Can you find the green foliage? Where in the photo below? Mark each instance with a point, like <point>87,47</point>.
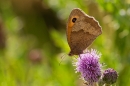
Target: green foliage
<point>33,44</point>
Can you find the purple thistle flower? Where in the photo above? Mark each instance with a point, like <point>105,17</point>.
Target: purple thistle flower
<point>110,76</point>
<point>88,65</point>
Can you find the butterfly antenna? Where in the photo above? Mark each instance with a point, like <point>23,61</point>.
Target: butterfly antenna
<point>62,57</point>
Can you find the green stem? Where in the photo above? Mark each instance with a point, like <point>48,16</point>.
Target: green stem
<point>93,84</point>
<point>107,85</point>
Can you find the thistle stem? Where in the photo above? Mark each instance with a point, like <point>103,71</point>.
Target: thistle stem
<point>107,85</point>
<point>93,84</point>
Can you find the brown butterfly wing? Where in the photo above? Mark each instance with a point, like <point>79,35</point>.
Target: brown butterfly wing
<point>86,22</point>
<point>83,32</point>
<point>80,41</point>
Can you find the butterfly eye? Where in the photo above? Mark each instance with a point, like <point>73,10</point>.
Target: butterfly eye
<point>74,20</point>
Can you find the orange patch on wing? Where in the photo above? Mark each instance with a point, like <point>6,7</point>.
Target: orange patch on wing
<point>69,28</point>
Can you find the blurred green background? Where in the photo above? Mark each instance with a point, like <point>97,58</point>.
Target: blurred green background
<point>33,40</point>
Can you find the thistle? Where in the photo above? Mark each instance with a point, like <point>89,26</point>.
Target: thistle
<point>89,67</point>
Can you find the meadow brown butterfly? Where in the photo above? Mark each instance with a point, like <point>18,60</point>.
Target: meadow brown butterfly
<point>81,31</point>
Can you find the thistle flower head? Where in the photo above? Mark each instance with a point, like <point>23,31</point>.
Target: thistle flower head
<point>88,65</point>
<point>109,76</point>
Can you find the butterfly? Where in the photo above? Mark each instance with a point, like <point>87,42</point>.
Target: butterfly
<point>81,31</point>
